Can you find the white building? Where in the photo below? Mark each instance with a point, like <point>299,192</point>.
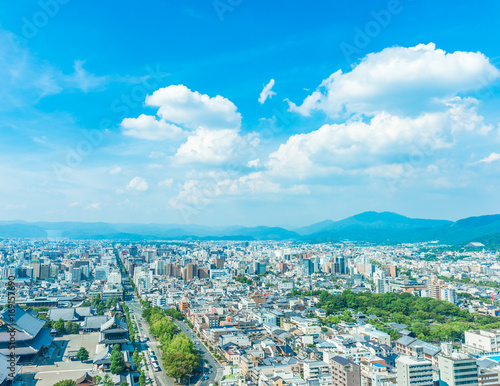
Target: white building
<point>449,294</point>
<point>114,277</point>
<point>482,340</point>
<point>458,369</point>
<point>413,371</point>
<point>317,371</point>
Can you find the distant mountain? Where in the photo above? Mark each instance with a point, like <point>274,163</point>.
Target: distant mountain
<point>265,233</point>
<point>489,241</point>
<point>317,227</point>
<point>21,230</point>
<point>375,227</point>
<point>463,230</point>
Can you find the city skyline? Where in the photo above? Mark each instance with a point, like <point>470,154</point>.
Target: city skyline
<point>229,113</point>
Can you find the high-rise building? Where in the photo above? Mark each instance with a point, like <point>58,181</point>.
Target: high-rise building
<point>434,287</point>
<point>76,274</point>
<point>191,270</point>
<point>36,264</point>
<point>219,263</point>
<point>44,271</point>
<point>414,371</point>
<point>449,294</point>
<point>54,270</point>
<point>307,266</point>
<point>345,372</point>
<point>101,273</point>
<point>183,304</point>
<point>458,369</point>
<point>160,267</point>
<point>339,265</point>
<point>168,269</point>
<point>203,273</point>
<point>383,285</point>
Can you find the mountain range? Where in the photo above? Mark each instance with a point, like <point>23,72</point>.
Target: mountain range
<point>374,227</point>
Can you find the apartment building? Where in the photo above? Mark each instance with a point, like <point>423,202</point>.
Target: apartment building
<point>413,371</point>
<point>344,372</point>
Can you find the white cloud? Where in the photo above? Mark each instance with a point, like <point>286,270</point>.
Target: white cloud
<point>254,163</point>
<point>116,170</point>
<point>267,92</point>
<point>138,183</point>
<point>149,128</point>
<point>383,139</point>
<point>154,166</point>
<point>94,206</point>
<point>15,206</point>
<point>157,154</point>
<point>214,146</point>
<point>180,105</point>
<point>493,157</point>
<point>199,193</point>
<point>84,80</point>
<point>400,80</point>
<point>166,183</point>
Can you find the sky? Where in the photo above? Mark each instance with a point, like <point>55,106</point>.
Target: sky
<point>239,112</point>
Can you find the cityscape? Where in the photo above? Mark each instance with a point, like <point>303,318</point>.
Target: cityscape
<point>249,193</point>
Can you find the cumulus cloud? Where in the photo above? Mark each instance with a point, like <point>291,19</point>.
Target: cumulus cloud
<point>400,80</point>
<point>166,183</point>
<point>214,146</point>
<point>254,163</point>
<point>179,105</point>
<point>198,193</point>
<point>116,170</point>
<point>493,157</point>
<point>149,128</point>
<point>138,183</point>
<point>382,139</point>
<point>267,92</point>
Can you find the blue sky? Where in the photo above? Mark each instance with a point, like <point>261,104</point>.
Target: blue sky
<point>248,112</point>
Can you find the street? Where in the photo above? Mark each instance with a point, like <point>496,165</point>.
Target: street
<point>210,365</point>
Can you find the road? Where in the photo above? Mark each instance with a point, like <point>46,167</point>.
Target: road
<point>209,360</point>
<point>143,330</point>
<point>210,365</point>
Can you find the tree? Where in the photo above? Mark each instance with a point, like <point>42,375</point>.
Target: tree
<point>98,379</point>
<point>135,358</point>
<point>72,327</point>
<point>108,381</point>
<point>117,361</point>
<point>59,326</point>
<point>142,379</point>
<point>124,383</point>
<point>175,365</point>
<point>82,354</point>
<point>66,382</point>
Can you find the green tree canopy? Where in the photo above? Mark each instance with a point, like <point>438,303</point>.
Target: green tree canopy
<point>82,354</point>
<point>66,382</point>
